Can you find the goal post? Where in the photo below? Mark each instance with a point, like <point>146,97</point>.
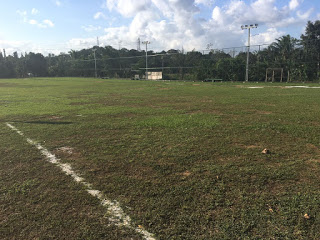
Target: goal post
<point>273,72</point>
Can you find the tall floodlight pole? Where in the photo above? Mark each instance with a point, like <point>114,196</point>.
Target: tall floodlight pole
<point>146,43</point>
<point>95,62</point>
<point>248,48</point>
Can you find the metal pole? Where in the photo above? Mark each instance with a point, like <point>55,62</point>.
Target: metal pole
<point>146,60</point>
<point>162,63</point>
<point>146,43</point>
<point>248,50</point>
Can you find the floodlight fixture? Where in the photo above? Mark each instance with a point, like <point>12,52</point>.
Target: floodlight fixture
<point>146,43</point>
<point>248,48</point>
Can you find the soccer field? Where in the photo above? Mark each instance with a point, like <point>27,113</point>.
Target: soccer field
<point>85,158</point>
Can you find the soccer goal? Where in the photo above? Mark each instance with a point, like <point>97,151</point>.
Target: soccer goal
<point>274,74</point>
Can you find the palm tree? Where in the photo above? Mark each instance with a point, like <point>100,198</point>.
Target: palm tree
<point>285,51</point>
<point>284,47</point>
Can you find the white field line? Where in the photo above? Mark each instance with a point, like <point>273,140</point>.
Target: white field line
<point>117,215</point>
<point>287,87</point>
<point>300,87</point>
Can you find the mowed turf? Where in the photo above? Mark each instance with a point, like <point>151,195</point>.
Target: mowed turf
<point>183,159</point>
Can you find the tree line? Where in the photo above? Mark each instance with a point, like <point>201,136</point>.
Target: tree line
<point>298,60</point>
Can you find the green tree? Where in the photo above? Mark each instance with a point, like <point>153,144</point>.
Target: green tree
<point>36,64</point>
<point>311,43</point>
<point>284,53</point>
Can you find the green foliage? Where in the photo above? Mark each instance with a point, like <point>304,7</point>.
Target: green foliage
<point>311,43</point>
<point>299,59</point>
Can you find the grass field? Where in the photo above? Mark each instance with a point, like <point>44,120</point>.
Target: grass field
<point>183,159</point>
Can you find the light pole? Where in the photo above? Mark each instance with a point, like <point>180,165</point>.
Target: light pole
<point>146,43</point>
<point>248,48</point>
<point>95,62</point>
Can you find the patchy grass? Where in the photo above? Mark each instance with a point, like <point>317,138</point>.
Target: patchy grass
<point>183,159</point>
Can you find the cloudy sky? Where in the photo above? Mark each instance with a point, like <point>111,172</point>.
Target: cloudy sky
<point>60,25</point>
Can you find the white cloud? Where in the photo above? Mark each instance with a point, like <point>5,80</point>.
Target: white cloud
<point>44,24</point>
<point>91,28</point>
<point>267,37</point>
<point>34,11</point>
<point>217,15</point>
<point>173,23</point>
<point>285,22</point>
<point>58,3</point>
<point>204,2</point>
<point>41,24</point>
<point>180,23</point>
<point>236,9</point>
<point>128,8</point>
<point>33,22</point>
<point>80,43</point>
<point>23,15</point>
<point>99,15</point>
<point>48,23</point>
<point>306,15</point>
<point>293,4</point>
<point>22,47</point>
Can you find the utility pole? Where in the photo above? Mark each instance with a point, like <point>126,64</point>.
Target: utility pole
<point>120,54</point>
<point>120,45</point>
<point>146,43</point>
<point>248,48</point>
<point>98,41</point>
<point>138,45</point>
<point>162,63</point>
<point>95,62</point>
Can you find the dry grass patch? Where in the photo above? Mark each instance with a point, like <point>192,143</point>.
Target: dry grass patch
<point>264,112</point>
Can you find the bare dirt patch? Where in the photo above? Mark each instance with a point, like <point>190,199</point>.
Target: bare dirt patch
<point>264,112</point>
<point>186,173</point>
<point>144,172</point>
<point>55,117</point>
<point>314,161</point>
<point>68,150</point>
<point>247,146</point>
<point>195,112</point>
<point>313,147</point>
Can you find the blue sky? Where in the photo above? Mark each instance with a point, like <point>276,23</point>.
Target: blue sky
<point>60,25</point>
